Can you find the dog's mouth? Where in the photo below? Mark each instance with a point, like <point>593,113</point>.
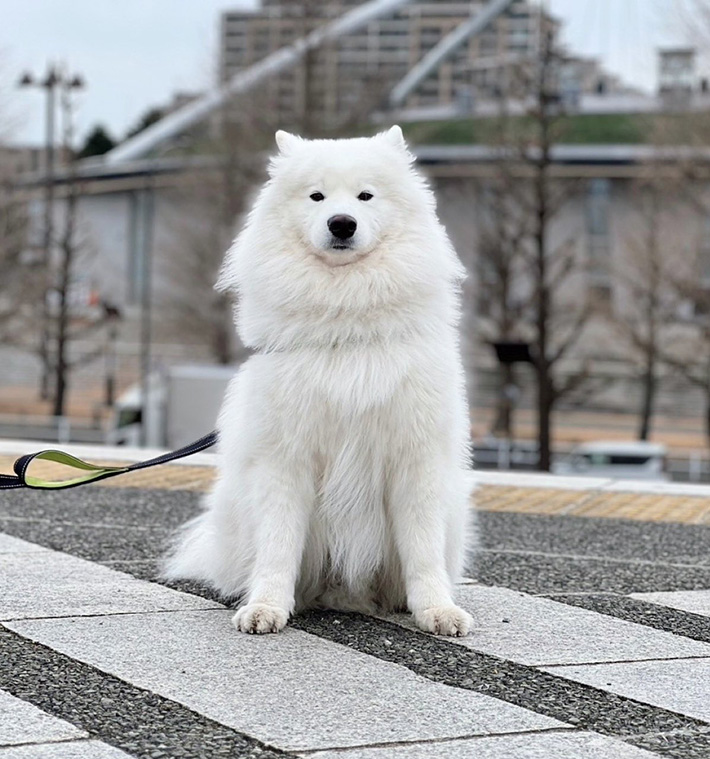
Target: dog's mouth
<point>340,245</point>
<point>338,252</point>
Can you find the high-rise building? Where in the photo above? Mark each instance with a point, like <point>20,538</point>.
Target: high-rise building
<point>677,78</point>
<point>345,79</point>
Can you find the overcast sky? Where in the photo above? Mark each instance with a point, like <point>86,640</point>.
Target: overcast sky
<point>136,53</point>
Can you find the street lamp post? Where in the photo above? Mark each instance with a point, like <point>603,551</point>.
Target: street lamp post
<point>53,78</point>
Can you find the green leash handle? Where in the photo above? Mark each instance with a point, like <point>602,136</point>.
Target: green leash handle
<point>93,473</point>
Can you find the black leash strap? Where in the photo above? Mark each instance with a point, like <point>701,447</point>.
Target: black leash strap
<point>93,473</point>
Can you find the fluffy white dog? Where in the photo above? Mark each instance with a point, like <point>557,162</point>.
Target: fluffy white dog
<point>344,441</point>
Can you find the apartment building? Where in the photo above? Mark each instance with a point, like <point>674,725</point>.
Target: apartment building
<point>340,82</point>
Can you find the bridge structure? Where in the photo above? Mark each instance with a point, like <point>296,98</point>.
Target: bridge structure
<point>248,79</point>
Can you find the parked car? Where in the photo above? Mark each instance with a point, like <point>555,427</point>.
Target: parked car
<point>617,460</point>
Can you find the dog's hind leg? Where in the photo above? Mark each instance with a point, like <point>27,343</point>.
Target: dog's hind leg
<point>418,495</point>
<point>282,496</point>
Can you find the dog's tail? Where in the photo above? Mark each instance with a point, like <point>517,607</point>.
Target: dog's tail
<point>187,557</point>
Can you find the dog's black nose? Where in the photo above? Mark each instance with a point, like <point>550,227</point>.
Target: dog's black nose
<point>342,227</point>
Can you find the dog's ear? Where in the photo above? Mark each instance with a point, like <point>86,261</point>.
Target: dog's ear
<point>395,137</point>
<point>287,142</point>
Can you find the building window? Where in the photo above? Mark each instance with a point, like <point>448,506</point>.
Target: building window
<point>599,233</point>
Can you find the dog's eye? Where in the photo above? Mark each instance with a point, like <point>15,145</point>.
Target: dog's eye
<point>365,196</point>
<point>317,196</point>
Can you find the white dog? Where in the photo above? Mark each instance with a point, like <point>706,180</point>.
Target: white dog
<point>344,441</point>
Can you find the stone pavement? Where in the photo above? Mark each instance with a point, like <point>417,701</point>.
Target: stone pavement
<point>591,640</point>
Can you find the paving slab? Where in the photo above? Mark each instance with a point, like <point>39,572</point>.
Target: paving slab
<point>695,601</point>
<point>548,573</point>
<point>22,722</point>
<point>94,542</point>
<point>682,686</point>
<point>72,750</point>
<point>660,617</point>
<point>53,584</point>
<point>290,690</point>
<point>539,631</point>
<point>535,746</point>
<point>660,543</point>
<point>8,544</point>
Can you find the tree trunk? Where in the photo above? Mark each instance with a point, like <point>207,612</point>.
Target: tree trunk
<point>649,394</point>
<point>545,387</point>
<point>651,317</point>
<point>60,366</point>
<point>544,416</point>
<point>67,252</point>
<point>544,380</point>
<point>60,387</point>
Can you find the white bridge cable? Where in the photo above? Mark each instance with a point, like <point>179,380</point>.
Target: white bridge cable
<point>245,80</point>
<point>469,28</point>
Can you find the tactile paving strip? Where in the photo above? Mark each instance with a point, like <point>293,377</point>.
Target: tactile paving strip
<point>647,507</point>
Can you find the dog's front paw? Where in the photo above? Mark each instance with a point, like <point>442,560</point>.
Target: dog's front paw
<point>260,618</point>
<point>444,620</point>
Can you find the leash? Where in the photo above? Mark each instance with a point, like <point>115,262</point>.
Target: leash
<point>94,473</point>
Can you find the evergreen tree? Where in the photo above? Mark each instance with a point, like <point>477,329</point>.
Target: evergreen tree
<point>98,142</point>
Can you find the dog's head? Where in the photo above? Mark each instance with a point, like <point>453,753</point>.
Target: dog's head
<point>343,231</point>
<point>340,199</point>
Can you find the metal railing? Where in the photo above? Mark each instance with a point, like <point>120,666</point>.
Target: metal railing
<point>53,429</point>
<point>522,456</point>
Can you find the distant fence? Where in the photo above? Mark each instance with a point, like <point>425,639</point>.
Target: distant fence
<point>520,456</point>
<point>52,429</point>
<point>695,468</point>
<point>523,456</point>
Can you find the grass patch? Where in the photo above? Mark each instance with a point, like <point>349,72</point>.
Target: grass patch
<point>592,129</point>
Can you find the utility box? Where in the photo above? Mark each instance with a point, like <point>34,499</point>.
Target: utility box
<point>194,397</point>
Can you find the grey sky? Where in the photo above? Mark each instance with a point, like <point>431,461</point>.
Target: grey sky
<point>136,53</point>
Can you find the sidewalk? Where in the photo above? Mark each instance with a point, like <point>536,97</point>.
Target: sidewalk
<point>592,636</point>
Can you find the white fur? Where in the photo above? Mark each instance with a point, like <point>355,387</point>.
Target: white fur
<point>344,441</point>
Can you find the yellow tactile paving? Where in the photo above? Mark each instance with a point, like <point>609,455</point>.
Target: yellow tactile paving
<point>644,507</point>
<point>529,500</point>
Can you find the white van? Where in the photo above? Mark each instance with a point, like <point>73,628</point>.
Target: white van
<point>183,403</point>
<point>616,460</point>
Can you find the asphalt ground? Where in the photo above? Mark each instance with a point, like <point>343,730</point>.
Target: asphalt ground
<point>582,562</point>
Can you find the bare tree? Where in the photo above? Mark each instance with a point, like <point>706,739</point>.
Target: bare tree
<point>68,250</point>
<point>205,209</point>
<point>556,314</point>
<point>688,353</point>
<point>691,357</point>
<point>530,278</point>
<point>646,273</point>
<point>69,319</point>
<point>503,294</point>
<point>22,282</point>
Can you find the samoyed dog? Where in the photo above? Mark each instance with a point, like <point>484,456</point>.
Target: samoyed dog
<point>344,440</point>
